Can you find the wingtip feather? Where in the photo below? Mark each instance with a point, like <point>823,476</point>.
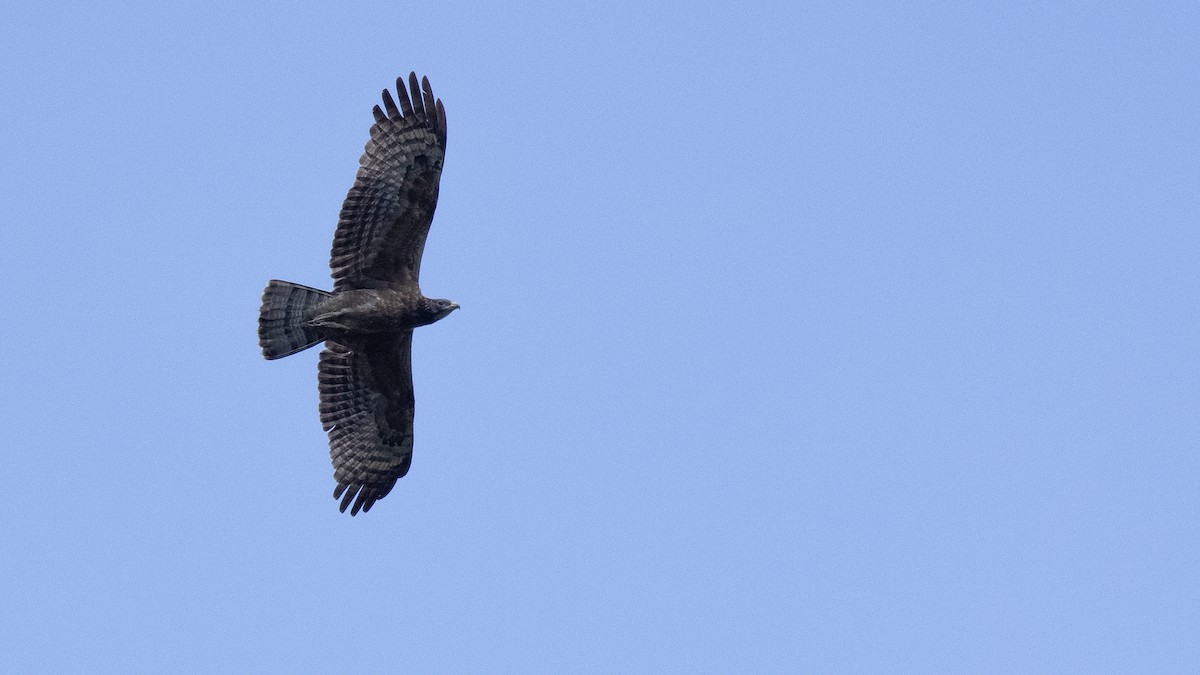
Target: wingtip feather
<point>415,88</point>
<point>441,118</point>
<point>427,98</point>
<point>402,93</point>
<point>390,105</point>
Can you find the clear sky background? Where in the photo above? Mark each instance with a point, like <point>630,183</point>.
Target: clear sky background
<point>813,337</point>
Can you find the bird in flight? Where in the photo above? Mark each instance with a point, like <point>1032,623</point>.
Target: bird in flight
<point>365,371</point>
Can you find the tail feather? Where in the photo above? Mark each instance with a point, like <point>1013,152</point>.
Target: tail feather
<point>282,320</point>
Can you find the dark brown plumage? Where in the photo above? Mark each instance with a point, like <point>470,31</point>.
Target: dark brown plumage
<point>365,371</point>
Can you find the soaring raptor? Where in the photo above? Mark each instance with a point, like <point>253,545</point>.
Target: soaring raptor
<point>365,371</point>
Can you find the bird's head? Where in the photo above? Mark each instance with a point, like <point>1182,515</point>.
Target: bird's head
<point>440,307</point>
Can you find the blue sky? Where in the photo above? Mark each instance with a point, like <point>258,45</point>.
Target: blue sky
<point>821,337</point>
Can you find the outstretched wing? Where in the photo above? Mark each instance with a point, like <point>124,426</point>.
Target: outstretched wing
<point>386,216</point>
<point>367,408</point>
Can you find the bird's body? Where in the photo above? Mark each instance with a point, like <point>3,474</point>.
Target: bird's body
<point>365,371</point>
<point>375,310</point>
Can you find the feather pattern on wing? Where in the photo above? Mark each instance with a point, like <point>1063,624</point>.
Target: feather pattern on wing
<point>367,409</point>
<point>385,218</point>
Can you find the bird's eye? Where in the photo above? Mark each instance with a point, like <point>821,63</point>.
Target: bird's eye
<point>441,303</point>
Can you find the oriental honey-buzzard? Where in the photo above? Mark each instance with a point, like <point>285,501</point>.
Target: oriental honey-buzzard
<point>365,372</point>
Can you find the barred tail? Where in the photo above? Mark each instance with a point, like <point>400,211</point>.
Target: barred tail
<point>282,328</point>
